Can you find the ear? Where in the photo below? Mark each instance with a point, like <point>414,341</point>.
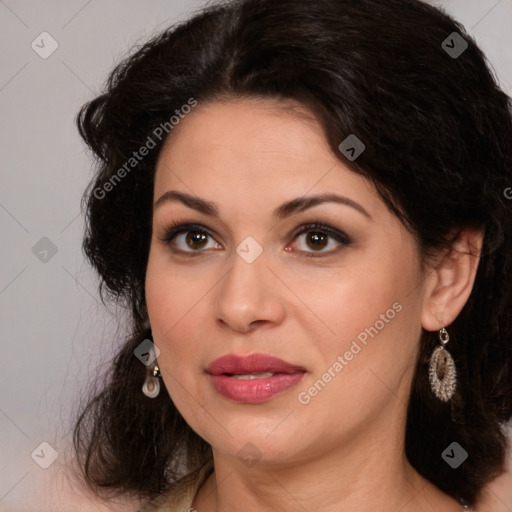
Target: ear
<point>450,280</point>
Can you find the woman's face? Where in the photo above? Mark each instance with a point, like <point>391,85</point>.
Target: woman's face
<point>339,304</point>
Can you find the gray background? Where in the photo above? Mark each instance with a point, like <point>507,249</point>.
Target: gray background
<point>53,327</point>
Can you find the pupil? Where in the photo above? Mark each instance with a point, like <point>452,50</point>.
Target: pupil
<point>318,240</point>
<point>195,239</point>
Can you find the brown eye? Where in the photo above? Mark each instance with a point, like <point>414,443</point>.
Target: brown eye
<point>196,239</point>
<point>321,239</point>
<point>189,238</point>
<point>317,240</point>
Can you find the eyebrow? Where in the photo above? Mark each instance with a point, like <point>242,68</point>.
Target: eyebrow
<point>285,210</point>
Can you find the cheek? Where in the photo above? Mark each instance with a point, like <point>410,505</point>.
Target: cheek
<point>173,292</point>
<point>374,325</point>
<point>350,301</point>
<point>169,311</point>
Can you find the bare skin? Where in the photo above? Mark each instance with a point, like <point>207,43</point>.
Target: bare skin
<point>302,302</point>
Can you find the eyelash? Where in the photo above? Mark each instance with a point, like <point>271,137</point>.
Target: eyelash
<point>176,228</point>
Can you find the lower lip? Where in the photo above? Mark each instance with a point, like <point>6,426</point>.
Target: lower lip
<point>255,391</point>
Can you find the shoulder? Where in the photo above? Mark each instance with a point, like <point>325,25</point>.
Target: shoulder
<point>181,495</point>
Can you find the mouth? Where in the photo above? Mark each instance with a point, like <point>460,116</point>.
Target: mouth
<point>257,365</point>
<point>253,379</point>
<point>250,376</point>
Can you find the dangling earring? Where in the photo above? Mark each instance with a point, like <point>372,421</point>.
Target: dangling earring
<point>151,387</point>
<point>148,350</point>
<point>442,373</point>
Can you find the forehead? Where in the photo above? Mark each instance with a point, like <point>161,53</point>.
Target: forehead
<point>259,143</point>
<point>247,128</point>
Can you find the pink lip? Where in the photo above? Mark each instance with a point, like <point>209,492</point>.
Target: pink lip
<point>253,391</point>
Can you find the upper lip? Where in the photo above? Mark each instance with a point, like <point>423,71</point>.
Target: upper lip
<point>253,363</point>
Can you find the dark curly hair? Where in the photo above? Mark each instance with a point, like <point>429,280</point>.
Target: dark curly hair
<point>438,136</point>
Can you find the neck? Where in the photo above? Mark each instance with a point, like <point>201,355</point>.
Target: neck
<point>360,476</point>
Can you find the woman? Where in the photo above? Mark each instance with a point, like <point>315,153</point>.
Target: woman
<point>305,207</point>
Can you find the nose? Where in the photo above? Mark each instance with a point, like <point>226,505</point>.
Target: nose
<point>249,296</point>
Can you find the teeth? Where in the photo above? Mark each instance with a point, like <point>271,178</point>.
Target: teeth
<point>249,376</point>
